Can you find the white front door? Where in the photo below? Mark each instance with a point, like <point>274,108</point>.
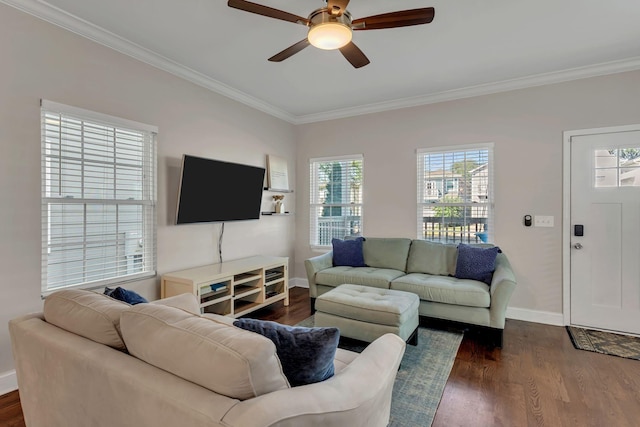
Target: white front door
<point>605,260</point>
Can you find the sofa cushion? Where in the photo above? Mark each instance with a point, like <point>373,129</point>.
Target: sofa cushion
<point>187,302</point>
<point>367,276</point>
<point>445,289</point>
<point>476,263</point>
<point>348,252</point>
<point>306,354</point>
<point>222,358</point>
<point>89,314</point>
<point>432,258</point>
<point>388,253</point>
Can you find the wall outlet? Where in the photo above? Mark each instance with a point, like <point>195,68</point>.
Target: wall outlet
<point>543,221</point>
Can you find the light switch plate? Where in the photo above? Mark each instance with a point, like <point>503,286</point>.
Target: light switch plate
<point>543,221</point>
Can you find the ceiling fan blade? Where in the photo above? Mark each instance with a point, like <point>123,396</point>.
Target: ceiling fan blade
<point>267,11</point>
<point>290,51</point>
<point>402,18</point>
<point>337,7</point>
<point>354,55</point>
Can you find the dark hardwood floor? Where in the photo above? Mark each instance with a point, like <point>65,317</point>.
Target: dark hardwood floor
<point>11,411</point>
<point>536,379</point>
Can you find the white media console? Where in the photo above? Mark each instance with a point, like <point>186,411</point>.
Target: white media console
<point>232,288</point>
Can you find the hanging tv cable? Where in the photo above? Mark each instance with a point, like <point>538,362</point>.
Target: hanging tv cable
<point>220,241</point>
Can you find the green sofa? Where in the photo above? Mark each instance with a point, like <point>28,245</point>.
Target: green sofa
<point>426,269</point>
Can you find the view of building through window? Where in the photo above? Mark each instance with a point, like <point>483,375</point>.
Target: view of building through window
<point>618,167</point>
<point>336,199</point>
<point>454,194</point>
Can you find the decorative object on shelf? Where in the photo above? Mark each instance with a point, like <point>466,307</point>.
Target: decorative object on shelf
<point>277,174</point>
<point>279,204</point>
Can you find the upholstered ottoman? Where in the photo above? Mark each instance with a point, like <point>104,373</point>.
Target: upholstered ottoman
<point>366,313</point>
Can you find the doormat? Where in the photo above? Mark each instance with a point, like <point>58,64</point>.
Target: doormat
<point>605,342</point>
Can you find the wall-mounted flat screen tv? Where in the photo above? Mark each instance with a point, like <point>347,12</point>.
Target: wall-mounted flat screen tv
<point>216,191</point>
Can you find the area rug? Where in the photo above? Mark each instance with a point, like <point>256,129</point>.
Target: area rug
<point>422,376</point>
<point>605,342</point>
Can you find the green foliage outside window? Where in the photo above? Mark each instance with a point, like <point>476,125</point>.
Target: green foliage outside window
<point>449,211</point>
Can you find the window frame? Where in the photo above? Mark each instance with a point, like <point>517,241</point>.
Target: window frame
<point>487,183</point>
<point>124,197</point>
<point>314,197</point>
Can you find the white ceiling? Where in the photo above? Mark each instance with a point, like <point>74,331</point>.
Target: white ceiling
<point>472,47</point>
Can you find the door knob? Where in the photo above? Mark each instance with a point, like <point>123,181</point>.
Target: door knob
<point>577,246</point>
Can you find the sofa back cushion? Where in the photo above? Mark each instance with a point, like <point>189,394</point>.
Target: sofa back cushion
<point>222,358</point>
<point>89,314</point>
<point>432,258</point>
<point>380,252</point>
<point>186,302</point>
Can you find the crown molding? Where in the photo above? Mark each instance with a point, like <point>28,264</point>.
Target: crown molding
<point>613,67</point>
<point>56,16</point>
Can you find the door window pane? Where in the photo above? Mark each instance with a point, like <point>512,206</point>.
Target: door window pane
<point>618,167</point>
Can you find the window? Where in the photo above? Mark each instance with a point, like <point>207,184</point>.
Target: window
<point>336,199</point>
<point>617,167</point>
<point>455,194</point>
<point>98,199</point>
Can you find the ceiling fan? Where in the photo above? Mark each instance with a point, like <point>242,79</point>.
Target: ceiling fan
<point>331,27</point>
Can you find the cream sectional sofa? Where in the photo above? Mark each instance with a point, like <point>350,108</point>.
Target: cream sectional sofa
<point>89,360</point>
<point>426,269</point>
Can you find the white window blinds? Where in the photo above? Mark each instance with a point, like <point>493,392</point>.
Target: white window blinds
<point>98,199</point>
<point>455,194</point>
<point>336,198</point>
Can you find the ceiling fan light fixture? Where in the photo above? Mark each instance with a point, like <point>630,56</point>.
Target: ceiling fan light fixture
<point>329,35</point>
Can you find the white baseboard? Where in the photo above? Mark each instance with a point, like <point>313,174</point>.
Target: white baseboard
<point>545,317</point>
<point>8,382</point>
<point>298,282</point>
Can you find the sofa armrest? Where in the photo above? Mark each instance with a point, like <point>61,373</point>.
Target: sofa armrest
<point>502,286</point>
<point>314,265</point>
<point>354,397</point>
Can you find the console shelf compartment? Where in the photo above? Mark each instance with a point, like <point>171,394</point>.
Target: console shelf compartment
<point>232,288</point>
<point>222,307</point>
<point>245,277</point>
<point>243,291</point>
<point>215,301</point>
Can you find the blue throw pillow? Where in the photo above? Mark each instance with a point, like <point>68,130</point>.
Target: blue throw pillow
<point>348,252</point>
<point>125,295</point>
<point>476,263</point>
<point>306,354</point>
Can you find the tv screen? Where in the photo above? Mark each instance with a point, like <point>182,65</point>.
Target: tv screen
<point>217,191</point>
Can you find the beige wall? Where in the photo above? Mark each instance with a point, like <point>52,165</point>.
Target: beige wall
<point>40,60</point>
<point>526,127</point>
